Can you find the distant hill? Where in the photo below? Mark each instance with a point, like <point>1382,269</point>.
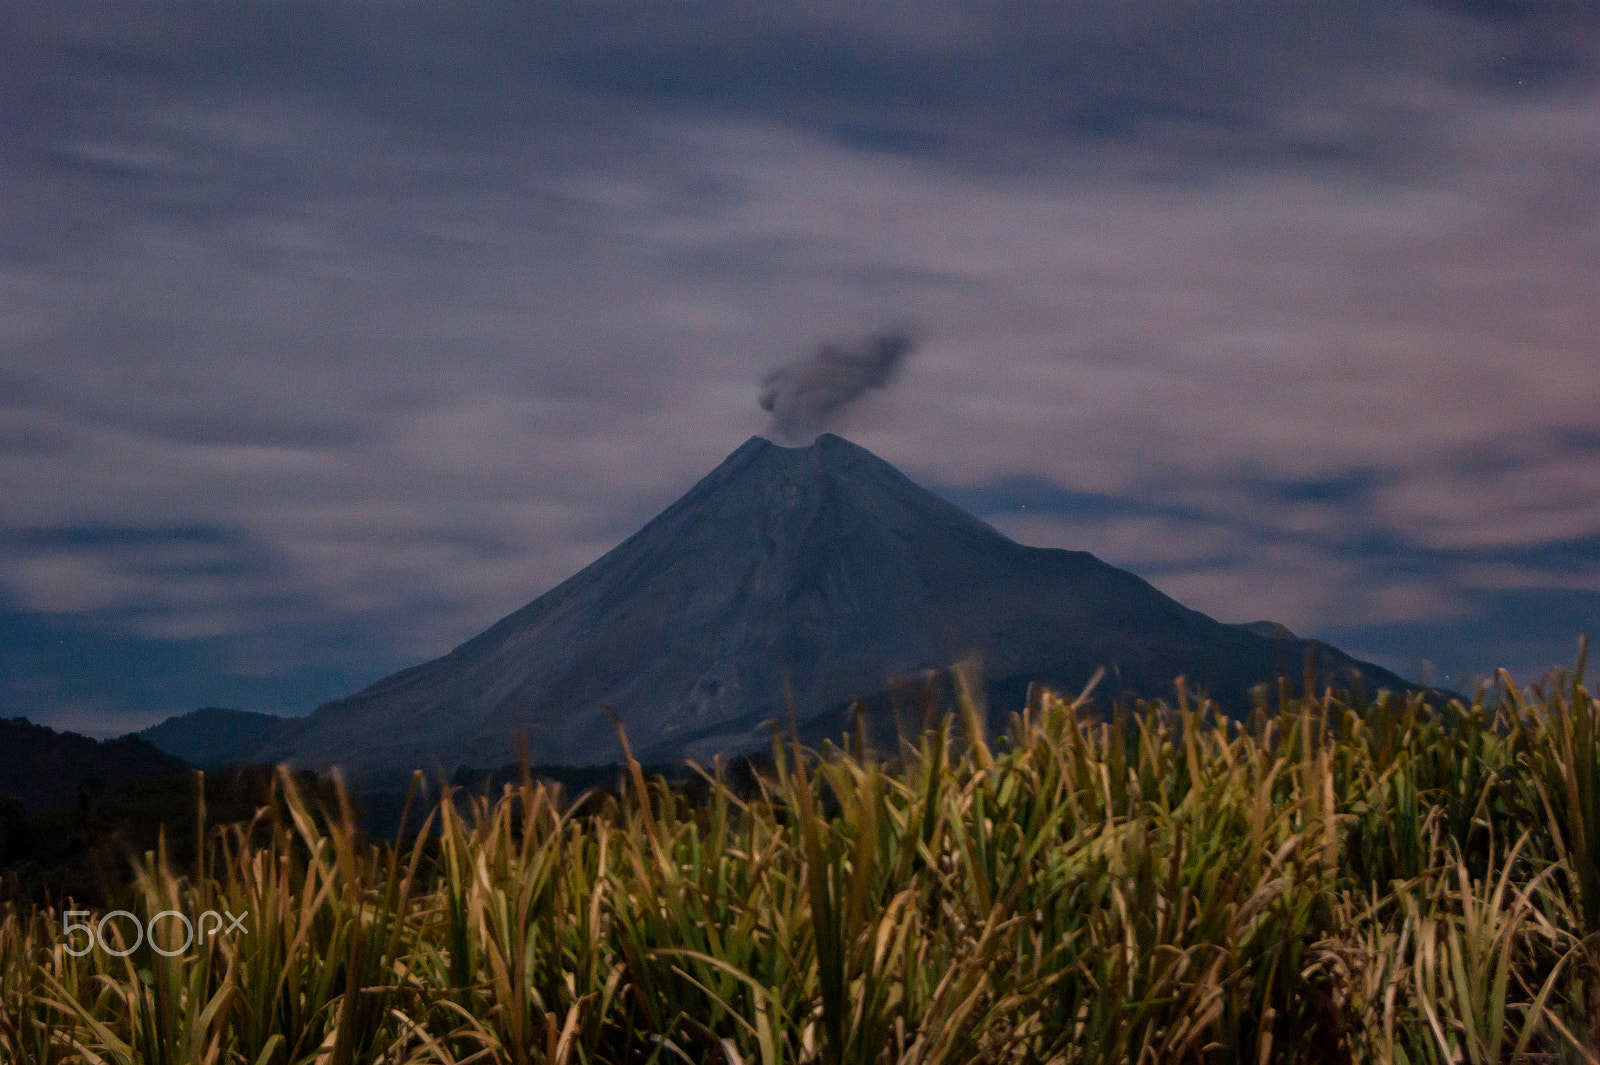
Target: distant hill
<point>215,736</point>
<point>44,769</point>
<point>813,574</point>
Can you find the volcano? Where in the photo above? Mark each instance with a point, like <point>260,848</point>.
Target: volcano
<point>813,575</point>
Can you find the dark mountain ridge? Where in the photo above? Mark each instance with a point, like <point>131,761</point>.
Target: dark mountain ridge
<point>819,571</point>
<point>44,769</point>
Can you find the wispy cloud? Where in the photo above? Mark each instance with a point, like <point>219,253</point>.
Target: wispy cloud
<point>414,309</point>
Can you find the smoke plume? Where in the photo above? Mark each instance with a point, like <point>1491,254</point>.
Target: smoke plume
<point>805,394</point>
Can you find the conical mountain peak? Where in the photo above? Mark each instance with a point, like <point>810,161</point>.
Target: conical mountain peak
<point>826,454</point>
<point>789,499</point>
<point>812,574</point>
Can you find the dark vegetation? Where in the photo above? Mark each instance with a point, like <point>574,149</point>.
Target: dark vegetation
<point>81,850</point>
<point>45,769</point>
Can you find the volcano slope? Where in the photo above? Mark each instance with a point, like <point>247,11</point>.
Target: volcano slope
<point>818,571</point>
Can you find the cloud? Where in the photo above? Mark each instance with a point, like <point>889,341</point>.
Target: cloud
<point>419,308</point>
<point>1332,558</point>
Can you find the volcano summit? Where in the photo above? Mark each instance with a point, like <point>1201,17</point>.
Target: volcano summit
<point>819,570</point>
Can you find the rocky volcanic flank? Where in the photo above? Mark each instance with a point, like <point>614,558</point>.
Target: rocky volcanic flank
<point>820,568</point>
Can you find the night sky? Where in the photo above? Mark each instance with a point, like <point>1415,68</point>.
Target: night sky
<point>332,332</point>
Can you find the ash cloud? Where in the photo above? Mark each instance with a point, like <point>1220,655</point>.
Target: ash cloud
<point>806,394</point>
